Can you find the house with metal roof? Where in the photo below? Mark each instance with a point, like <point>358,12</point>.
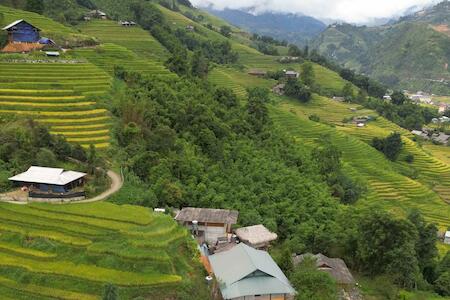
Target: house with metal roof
<point>447,238</point>
<point>246,273</point>
<point>43,182</point>
<point>208,224</point>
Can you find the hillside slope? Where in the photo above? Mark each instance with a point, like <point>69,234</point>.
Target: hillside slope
<point>413,53</point>
<point>72,251</point>
<point>296,29</point>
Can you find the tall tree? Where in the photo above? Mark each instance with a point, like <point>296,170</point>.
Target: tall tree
<point>36,6</point>
<point>426,249</point>
<point>386,245</point>
<point>307,75</point>
<point>311,283</point>
<point>257,109</point>
<point>199,65</point>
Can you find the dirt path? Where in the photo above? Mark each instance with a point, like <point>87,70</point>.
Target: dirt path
<point>116,185</point>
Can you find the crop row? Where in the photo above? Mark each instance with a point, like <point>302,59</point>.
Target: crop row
<point>106,211</point>
<point>88,272</point>
<point>45,291</point>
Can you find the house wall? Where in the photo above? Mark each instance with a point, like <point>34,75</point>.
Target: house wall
<point>24,32</point>
<point>447,240</point>
<point>211,232</point>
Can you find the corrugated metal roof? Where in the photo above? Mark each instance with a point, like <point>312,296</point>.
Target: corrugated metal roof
<point>45,175</point>
<point>17,22</point>
<point>244,271</point>
<point>208,215</point>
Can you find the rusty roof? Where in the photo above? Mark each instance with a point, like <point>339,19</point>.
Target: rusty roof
<point>336,267</point>
<point>207,215</point>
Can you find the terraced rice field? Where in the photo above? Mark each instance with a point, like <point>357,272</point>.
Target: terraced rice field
<point>133,38</point>
<point>237,81</point>
<point>71,251</point>
<point>47,25</point>
<point>386,185</point>
<point>62,96</point>
<point>108,55</point>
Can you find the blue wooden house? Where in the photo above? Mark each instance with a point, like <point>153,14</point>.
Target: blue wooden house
<point>21,31</point>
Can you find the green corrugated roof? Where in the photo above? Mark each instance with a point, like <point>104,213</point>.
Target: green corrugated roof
<point>244,271</point>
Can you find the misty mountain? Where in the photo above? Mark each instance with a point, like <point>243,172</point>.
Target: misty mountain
<point>296,29</point>
<point>411,53</point>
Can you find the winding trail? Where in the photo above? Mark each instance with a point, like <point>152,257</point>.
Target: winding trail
<point>116,185</point>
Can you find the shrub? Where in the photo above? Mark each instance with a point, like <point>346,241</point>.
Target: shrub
<point>409,158</point>
<point>314,118</point>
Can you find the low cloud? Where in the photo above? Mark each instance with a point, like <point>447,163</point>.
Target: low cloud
<point>353,11</point>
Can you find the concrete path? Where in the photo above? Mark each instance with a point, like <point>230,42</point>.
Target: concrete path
<point>116,185</point>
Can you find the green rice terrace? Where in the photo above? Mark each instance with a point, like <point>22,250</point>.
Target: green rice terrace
<point>61,95</point>
<point>72,251</point>
<point>399,186</point>
<point>132,37</point>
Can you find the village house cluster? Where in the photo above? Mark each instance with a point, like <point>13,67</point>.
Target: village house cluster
<point>239,261</point>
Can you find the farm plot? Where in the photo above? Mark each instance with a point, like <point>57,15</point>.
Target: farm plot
<point>62,96</point>
<point>133,38</point>
<point>386,185</point>
<point>140,252</point>
<point>107,56</point>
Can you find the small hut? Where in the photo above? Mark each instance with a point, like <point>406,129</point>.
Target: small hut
<point>291,74</point>
<point>279,89</point>
<point>336,267</point>
<point>258,73</point>
<point>447,238</point>
<point>97,14</point>
<point>257,236</point>
<point>22,37</point>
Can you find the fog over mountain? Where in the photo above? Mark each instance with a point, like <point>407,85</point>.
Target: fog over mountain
<point>352,11</point>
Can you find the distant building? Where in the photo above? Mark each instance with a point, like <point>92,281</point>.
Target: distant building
<point>447,238</point>
<point>420,133</point>
<point>208,224</point>
<point>257,236</point>
<point>54,183</point>
<point>443,107</point>
<point>190,28</point>
<point>127,23</point>
<point>440,138</point>
<point>338,99</point>
<point>97,14</point>
<point>246,273</point>
<point>258,73</point>
<point>387,98</point>
<point>336,267</point>
<point>279,89</point>
<point>291,74</point>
